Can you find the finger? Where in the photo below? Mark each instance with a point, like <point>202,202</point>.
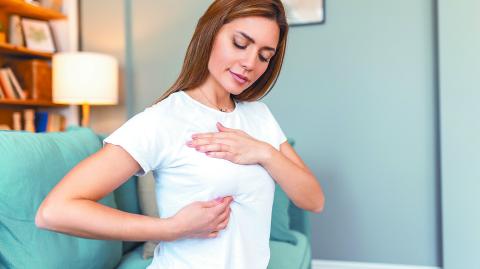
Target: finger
<point>229,199</point>
<point>213,147</point>
<point>219,154</point>
<point>210,204</point>
<point>213,234</point>
<point>225,215</point>
<point>223,128</point>
<point>208,141</point>
<point>210,135</point>
<point>223,224</point>
<point>220,208</point>
<point>217,201</point>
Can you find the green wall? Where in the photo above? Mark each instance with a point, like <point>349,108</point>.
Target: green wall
<point>459,46</point>
<point>359,95</point>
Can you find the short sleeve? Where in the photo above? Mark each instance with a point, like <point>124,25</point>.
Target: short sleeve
<point>144,138</point>
<point>277,136</point>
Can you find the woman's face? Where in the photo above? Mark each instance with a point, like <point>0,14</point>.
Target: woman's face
<point>241,52</point>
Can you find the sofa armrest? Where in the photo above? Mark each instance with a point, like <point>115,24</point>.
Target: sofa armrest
<point>299,220</point>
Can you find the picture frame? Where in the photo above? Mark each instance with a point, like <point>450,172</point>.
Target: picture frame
<point>38,35</point>
<point>304,12</point>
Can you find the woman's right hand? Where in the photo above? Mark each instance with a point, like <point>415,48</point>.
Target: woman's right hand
<point>203,219</point>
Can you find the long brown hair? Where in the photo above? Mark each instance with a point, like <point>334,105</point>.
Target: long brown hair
<point>195,65</point>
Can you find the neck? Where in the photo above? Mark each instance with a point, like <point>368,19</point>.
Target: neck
<point>215,94</point>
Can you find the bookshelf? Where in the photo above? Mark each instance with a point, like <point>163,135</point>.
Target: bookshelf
<point>25,9</point>
<point>12,50</point>
<point>9,53</point>
<point>30,103</point>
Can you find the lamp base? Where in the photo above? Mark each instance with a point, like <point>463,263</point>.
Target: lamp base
<point>85,115</point>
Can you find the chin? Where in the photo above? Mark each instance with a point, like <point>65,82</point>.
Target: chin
<point>234,89</point>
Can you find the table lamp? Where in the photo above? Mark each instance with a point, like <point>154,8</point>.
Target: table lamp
<point>85,78</point>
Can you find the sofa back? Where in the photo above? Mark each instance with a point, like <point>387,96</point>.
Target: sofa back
<point>31,165</point>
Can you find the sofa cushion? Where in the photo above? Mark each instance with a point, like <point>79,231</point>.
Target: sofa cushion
<point>134,260</point>
<point>287,256</point>
<point>280,226</point>
<point>127,200</point>
<point>31,164</point>
<point>148,206</point>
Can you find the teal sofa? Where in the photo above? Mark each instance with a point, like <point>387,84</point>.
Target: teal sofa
<point>31,164</point>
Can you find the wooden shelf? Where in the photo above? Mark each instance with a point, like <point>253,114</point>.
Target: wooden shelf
<point>30,103</point>
<point>9,49</point>
<point>22,8</point>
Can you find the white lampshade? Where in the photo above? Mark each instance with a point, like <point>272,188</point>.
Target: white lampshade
<point>85,78</point>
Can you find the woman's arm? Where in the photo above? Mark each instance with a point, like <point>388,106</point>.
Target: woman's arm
<point>294,177</point>
<point>72,208</point>
<point>285,166</point>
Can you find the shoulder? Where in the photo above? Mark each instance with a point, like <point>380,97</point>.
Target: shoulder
<point>164,106</point>
<point>257,106</point>
<point>162,112</point>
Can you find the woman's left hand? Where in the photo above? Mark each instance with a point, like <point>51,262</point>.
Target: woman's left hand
<point>231,144</point>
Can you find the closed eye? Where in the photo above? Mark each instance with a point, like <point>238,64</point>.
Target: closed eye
<point>263,59</point>
<point>260,56</point>
<point>238,45</point>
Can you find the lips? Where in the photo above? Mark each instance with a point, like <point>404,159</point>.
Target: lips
<point>239,78</point>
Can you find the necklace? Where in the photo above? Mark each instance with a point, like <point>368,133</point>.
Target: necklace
<point>219,108</point>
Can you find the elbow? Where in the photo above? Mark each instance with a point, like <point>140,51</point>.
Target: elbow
<point>317,210</point>
<point>40,221</point>
<point>43,218</point>
<point>319,205</point>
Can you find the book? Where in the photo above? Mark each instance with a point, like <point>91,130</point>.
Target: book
<point>2,95</point>
<point>6,86</point>
<point>16,86</point>
<point>15,35</point>
<point>41,118</point>
<point>48,121</point>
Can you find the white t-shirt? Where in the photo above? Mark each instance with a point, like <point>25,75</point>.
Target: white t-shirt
<point>156,139</point>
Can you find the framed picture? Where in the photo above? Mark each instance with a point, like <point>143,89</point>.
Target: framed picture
<point>37,35</point>
<point>304,12</point>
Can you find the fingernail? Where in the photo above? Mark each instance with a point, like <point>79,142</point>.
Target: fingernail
<point>219,199</point>
<point>189,143</point>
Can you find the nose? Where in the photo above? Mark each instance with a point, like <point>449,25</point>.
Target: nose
<point>248,61</point>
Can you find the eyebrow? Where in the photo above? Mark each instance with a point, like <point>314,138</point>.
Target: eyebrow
<point>253,41</point>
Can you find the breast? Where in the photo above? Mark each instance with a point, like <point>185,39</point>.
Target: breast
<point>194,176</point>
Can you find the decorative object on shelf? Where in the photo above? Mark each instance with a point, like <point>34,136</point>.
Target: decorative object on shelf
<point>52,4</point>
<point>85,78</point>
<point>16,85</point>
<point>29,117</point>
<point>33,2</point>
<point>35,75</point>
<point>15,35</point>
<point>17,121</point>
<point>4,127</point>
<point>6,85</point>
<point>38,35</point>
<point>2,32</point>
<point>10,85</point>
<point>49,122</point>
<point>2,95</point>
<point>303,12</point>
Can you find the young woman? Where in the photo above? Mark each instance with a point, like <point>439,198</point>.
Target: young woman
<point>214,149</point>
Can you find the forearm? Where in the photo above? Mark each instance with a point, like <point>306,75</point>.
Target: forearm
<point>89,219</point>
<point>299,183</point>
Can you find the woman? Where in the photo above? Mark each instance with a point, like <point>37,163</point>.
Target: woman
<point>214,150</point>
